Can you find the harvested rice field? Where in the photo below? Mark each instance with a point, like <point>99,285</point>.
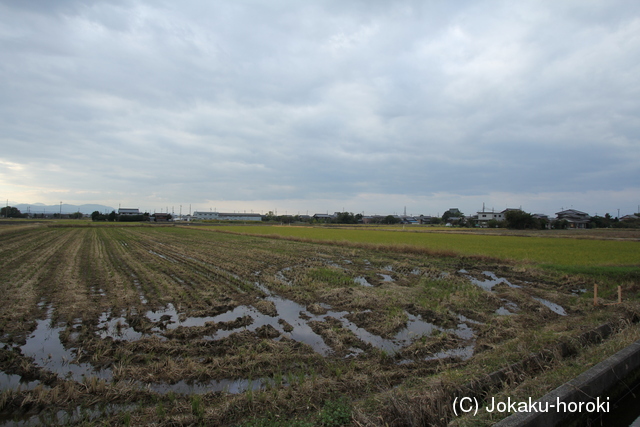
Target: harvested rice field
<point>183,326</point>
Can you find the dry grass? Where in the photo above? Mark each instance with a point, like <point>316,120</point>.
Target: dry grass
<point>128,274</point>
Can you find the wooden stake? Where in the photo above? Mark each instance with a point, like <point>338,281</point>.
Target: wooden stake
<point>595,294</point>
<point>619,294</point>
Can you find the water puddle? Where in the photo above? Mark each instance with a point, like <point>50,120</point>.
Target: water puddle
<point>291,320</point>
<point>15,382</point>
<point>502,311</point>
<point>298,317</point>
<point>281,277</point>
<point>97,292</point>
<point>490,282</point>
<point>163,256</point>
<point>465,319</point>
<point>552,306</point>
<point>360,280</point>
<point>136,283</point>
<point>48,352</point>
<point>386,277</point>
<point>78,415</point>
<point>507,309</point>
<point>464,353</point>
<point>116,328</point>
<point>227,386</point>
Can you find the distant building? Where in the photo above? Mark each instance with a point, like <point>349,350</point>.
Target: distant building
<point>545,221</point>
<point>425,219</point>
<point>124,211</point>
<point>575,218</point>
<point>484,217</point>
<point>324,217</point>
<point>406,219</point>
<point>160,217</point>
<point>227,216</point>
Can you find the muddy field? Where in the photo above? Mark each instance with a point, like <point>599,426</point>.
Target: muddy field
<point>139,325</point>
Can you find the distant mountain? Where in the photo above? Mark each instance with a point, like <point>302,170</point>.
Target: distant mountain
<point>66,209</point>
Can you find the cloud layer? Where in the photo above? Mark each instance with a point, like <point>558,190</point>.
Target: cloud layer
<point>322,106</point>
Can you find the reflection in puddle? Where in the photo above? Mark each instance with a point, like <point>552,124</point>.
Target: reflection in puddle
<point>228,386</point>
<point>15,382</point>
<point>48,352</point>
<point>489,283</point>
<point>464,353</point>
<point>507,309</point>
<point>78,415</point>
<point>116,328</point>
<point>552,306</point>
<point>163,256</point>
<point>360,280</point>
<point>136,283</point>
<point>292,320</point>
<point>281,277</point>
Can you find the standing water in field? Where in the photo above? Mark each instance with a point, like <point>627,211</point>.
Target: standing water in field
<point>48,352</point>
<point>488,283</point>
<point>552,306</point>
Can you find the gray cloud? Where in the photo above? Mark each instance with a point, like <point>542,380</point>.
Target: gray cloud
<point>310,105</point>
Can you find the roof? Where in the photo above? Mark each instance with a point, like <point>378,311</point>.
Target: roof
<point>575,212</point>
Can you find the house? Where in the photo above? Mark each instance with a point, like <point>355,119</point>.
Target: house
<point>123,211</point>
<point>453,220</point>
<point>574,218</point>
<point>324,217</point>
<point>425,219</point>
<point>372,219</point>
<point>160,217</point>
<point>484,217</point>
<point>405,219</point>
<point>453,212</point>
<point>545,221</point>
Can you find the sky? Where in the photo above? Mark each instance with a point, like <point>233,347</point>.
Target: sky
<point>312,107</point>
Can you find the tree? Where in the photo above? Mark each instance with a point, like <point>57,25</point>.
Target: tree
<point>112,216</point>
<point>11,212</point>
<point>560,224</point>
<point>390,219</point>
<point>97,216</point>
<point>345,218</point>
<point>520,220</point>
<point>453,213</point>
<point>494,223</point>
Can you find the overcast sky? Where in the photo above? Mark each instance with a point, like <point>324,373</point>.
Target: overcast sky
<point>322,106</point>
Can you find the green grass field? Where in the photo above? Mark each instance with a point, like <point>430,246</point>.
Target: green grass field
<point>546,251</point>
